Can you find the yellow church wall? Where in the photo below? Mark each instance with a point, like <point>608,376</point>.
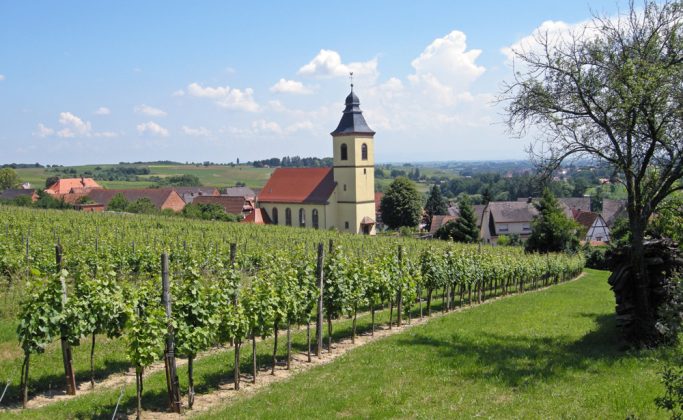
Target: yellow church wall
<point>326,213</point>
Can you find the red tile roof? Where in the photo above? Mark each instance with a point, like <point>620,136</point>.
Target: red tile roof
<point>258,217</point>
<point>440,220</point>
<point>299,185</point>
<point>586,218</point>
<point>66,185</point>
<point>378,200</point>
<point>233,205</point>
<point>158,196</point>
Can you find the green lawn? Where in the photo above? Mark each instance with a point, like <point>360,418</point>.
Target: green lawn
<point>551,354</point>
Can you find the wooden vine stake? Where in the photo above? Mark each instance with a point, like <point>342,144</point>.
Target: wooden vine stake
<point>238,342</point>
<point>172,383</point>
<point>319,317</point>
<point>399,295</point>
<point>66,347</point>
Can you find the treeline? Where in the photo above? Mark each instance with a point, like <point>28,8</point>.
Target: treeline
<point>98,173</point>
<point>21,165</point>
<point>293,162</point>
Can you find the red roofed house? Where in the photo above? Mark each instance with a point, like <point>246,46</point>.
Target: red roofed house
<point>597,230</point>
<point>341,197</point>
<point>163,198</point>
<point>72,185</point>
<point>233,205</point>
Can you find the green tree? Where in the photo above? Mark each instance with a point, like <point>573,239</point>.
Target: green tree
<point>435,205</point>
<point>118,203</point>
<point>143,206</point>
<point>51,180</point>
<point>8,178</point>
<point>551,230</point>
<point>464,228</point>
<point>612,93</point>
<point>401,204</point>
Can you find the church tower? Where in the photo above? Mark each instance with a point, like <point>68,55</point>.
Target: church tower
<point>354,170</point>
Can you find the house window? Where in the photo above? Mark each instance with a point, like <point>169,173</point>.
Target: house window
<point>346,225</point>
<point>502,228</point>
<point>365,171</point>
<point>344,187</point>
<point>364,152</point>
<point>344,152</point>
<point>275,215</point>
<point>314,217</point>
<point>302,218</point>
<point>288,216</point>
<point>526,227</point>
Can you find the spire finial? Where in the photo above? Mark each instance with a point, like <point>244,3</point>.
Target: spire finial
<point>351,79</point>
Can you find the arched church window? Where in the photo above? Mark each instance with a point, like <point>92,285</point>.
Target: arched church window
<point>288,216</point>
<point>275,215</point>
<point>344,152</point>
<point>302,218</point>
<point>344,187</point>
<point>364,152</point>
<point>315,218</point>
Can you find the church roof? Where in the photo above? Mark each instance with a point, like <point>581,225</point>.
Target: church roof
<point>352,122</point>
<point>299,185</point>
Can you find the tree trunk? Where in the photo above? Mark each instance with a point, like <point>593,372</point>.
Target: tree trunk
<point>24,379</point>
<point>308,339</point>
<point>391,312</point>
<point>419,296</point>
<point>372,323</point>
<point>138,390</point>
<point>190,381</point>
<point>643,325</point>
<point>253,358</point>
<point>329,333</point>
<point>236,374</point>
<point>272,370</point>
<point>289,345</point>
<point>399,308</point>
<point>92,362</point>
<point>353,328</point>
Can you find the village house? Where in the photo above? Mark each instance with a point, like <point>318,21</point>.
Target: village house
<point>11,194</point>
<point>72,186</point>
<point>507,218</point>
<point>596,228</point>
<point>341,197</point>
<point>162,198</point>
<point>238,206</point>
<point>188,194</point>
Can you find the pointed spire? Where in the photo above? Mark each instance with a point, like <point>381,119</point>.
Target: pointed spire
<point>352,122</point>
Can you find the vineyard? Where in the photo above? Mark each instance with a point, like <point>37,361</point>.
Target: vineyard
<point>159,288</point>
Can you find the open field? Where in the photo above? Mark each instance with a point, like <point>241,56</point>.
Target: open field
<point>214,176</point>
<point>549,354</point>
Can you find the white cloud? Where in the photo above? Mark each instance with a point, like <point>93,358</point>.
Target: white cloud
<point>196,132</point>
<point>299,126</point>
<point>73,126</point>
<point>226,97</point>
<point>446,69</point>
<point>106,134</point>
<point>152,128</point>
<point>290,86</point>
<point>555,30</point>
<point>2,77</point>
<point>178,92</point>
<point>149,111</point>
<point>265,127</point>
<point>43,131</point>
<point>328,63</point>
<point>103,110</point>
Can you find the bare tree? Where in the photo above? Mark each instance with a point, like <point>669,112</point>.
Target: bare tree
<point>611,90</point>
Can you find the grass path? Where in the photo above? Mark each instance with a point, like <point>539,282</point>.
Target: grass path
<point>553,354</point>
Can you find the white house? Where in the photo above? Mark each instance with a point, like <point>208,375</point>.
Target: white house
<point>596,225</point>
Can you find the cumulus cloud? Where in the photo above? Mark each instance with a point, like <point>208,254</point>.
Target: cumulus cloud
<point>149,111</point>
<point>328,63</point>
<point>73,126</point>
<point>178,92</point>
<point>290,86</point>
<point>43,131</point>
<point>196,132</point>
<point>153,129</point>
<point>225,96</point>
<point>103,110</point>
<point>446,68</point>
<point>556,31</point>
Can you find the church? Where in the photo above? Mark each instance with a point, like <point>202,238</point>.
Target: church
<point>341,197</point>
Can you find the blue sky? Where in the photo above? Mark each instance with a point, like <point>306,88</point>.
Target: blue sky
<point>109,81</point>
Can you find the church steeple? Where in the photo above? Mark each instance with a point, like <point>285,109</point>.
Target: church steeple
<point>352,122</point>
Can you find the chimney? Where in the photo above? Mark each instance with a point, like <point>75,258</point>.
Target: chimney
<point>82,181</point>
